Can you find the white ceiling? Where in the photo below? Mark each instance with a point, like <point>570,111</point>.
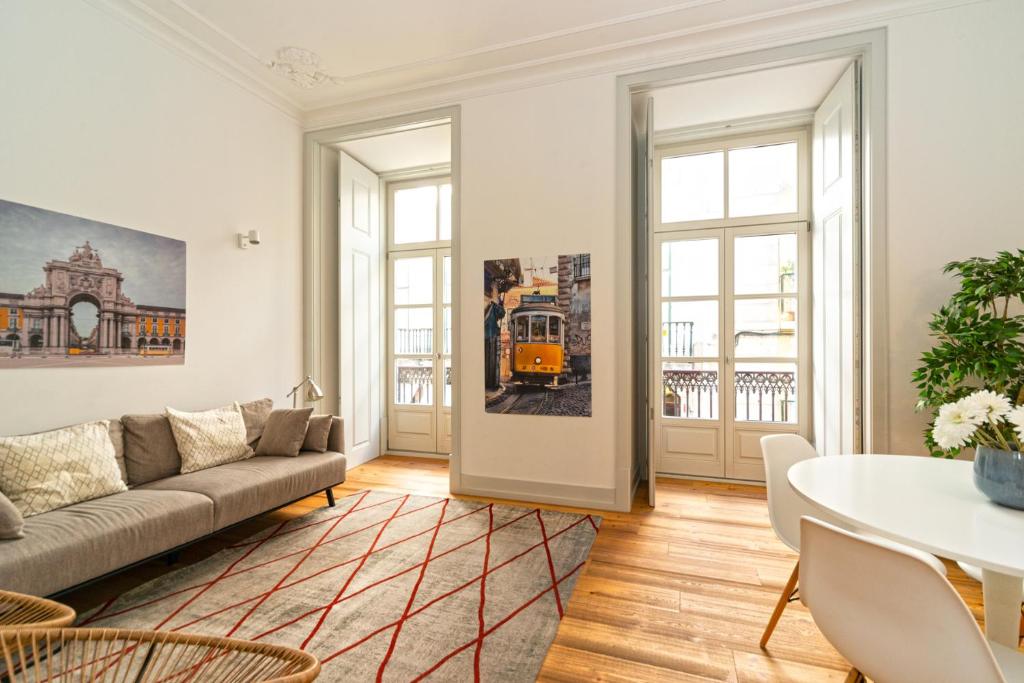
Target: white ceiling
<point>408,149</point>
<point>730,98</point>
<point>384,47</point>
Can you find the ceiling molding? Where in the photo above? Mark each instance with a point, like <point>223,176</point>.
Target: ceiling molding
<point>164,31</point>
<point>735,39</point>
<point>174,24</point>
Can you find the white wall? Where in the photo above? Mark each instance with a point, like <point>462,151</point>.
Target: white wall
<point>956,165</point>
<point>539,168</point>
<point>99,121</point>
<point>538,174</point>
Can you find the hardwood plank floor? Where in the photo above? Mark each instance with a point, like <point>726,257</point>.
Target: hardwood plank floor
<point>677,593</point>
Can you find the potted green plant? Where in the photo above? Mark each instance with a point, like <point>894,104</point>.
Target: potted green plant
<point>973,375</point>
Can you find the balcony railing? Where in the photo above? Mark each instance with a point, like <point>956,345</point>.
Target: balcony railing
<point>415,385</point>
<point>677,339</point>
<point>761,396</point>
<point>414,340</point>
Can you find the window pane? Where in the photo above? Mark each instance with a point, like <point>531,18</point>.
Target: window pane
<point>447,329</point>
<point>554,330</point>
<point>414,280</point>
<point>446,211</point>
<point>521,329</point>
<point>692,187</point>
<point>414,381</point>
<point>447,399</point>
<point>538,328</point>
<point>416,214</point>
<point>766,327</point>
<point>414,330</point>
<point>762,180</point>
<point>446,294</point>
<point>766,264</point>
<point>689,390</point>
<point>689,268</point>
<point>689,328</point>
<point>766,392</point>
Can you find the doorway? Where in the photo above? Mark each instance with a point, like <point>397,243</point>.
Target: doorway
<point>753,265</point>
<point>419,286</point>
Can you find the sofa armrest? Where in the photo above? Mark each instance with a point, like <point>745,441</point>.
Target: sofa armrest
<point>336,437</point>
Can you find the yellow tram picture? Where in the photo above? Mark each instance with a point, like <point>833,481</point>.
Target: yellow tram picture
<point>537,330</point>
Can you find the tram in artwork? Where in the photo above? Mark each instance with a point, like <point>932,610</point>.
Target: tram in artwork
<point>537,328</point>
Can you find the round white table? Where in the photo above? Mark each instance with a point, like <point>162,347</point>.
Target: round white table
<point>930,504</point>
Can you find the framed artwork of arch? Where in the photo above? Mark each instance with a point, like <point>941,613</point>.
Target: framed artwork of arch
<point>76,292</point>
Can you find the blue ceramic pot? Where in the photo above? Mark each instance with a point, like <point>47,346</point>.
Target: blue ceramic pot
<point>1000,475</point>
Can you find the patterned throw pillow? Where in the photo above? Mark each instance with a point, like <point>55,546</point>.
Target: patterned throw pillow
<point>209,438</point>
<point>43,472</point>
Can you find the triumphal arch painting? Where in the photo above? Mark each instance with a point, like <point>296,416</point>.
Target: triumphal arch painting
<point>77,292</point>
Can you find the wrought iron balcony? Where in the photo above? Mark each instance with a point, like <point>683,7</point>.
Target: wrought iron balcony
<point>761,396</point>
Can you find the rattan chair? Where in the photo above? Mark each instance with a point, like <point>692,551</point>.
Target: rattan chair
<point>123,656</point>
<point>26,611</point>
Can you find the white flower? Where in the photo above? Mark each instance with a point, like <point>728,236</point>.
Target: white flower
<point>956,424</point>
<point>1016,418</point>
<point>987,406</point>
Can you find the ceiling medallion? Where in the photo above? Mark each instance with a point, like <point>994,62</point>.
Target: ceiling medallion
<point>300,66</point>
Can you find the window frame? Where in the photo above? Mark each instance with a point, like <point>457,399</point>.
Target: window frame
<point>397,185</point>
<point>725,144</point>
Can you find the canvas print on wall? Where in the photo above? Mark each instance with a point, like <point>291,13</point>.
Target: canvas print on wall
<point>537,335</point>
<point>75,292</point>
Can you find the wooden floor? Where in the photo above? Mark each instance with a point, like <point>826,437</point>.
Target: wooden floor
<point>677,593</point>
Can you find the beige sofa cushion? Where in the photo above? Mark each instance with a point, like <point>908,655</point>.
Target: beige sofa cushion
<point>117,439</point>
<point>11,521</point>
<point>255,414</point>
<point>336,439</point>
<point>150,452</point>
<point>318,433</point>
<point>80,542</point>
<point>284,433</point>
<point>50,470</point>
<point>240,490</point>
<point>210,437</point>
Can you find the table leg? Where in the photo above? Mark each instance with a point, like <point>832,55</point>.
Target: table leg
<point>1003,594</point>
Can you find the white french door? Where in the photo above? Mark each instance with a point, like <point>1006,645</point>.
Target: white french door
<point>419,351</point>
<point>729,313</point>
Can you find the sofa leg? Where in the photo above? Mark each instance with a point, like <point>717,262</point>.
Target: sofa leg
<point>172,558</point>
<point>330,496</point>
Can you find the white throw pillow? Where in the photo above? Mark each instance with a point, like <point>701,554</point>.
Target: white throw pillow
<point>209,438</point>
<point>43,472</point>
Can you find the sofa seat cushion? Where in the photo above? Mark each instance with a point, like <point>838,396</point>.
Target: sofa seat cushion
<point>64,547</point>
<point>246,488</point>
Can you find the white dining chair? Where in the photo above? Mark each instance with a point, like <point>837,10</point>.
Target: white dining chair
<point>786,507</point>
<point>891,612</point>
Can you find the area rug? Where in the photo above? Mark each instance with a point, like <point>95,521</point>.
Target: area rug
<point>385,586</point>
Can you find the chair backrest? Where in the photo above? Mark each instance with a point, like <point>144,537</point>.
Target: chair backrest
<point>785,506</point>
<point>889,611</point>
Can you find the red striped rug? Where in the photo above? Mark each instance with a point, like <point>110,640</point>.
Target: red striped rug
<point>385,587</point>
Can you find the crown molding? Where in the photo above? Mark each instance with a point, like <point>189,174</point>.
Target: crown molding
<point>166,32</point>
<point>818,20</point>
<point>173,24</point>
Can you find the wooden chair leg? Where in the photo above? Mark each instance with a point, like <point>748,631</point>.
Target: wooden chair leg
<point>854,676</point>
<point>781,605</point>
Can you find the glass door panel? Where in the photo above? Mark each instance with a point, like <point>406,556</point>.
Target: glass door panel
<point>729,347</point>
<point>688,426</point>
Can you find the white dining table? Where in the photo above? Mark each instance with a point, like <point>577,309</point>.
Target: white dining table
<point>933,505</point>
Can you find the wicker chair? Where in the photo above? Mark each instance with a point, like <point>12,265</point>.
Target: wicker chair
<point>122,656</point>
<point>26,611</point>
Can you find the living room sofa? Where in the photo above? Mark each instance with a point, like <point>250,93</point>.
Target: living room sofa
<point>64,548</point>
